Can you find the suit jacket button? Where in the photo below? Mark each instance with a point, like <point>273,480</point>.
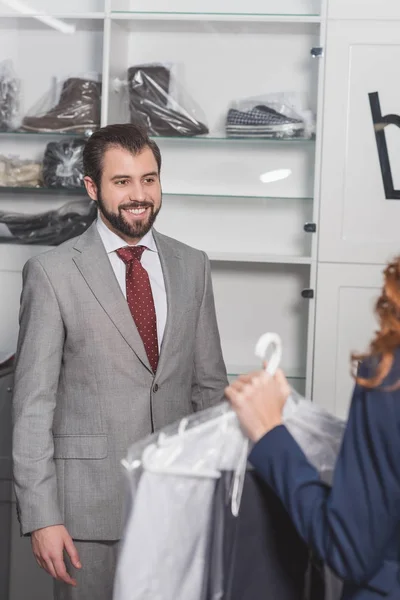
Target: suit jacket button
<point>155,388</point>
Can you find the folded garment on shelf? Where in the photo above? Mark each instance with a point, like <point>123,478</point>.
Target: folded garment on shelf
<point>15,172</point>
<point>49,228</point>
<point>78,108</point>
<point>63,164</point>
<point>152,105</point>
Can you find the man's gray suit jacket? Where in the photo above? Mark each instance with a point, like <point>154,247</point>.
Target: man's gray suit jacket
<point>84,389</point>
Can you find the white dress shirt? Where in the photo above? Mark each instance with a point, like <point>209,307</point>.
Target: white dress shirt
<point>150,261</point>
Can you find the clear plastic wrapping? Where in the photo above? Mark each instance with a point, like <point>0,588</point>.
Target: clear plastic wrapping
<point>173,524</point>
<point>159,103</point>
<point>317,432</point>
<point>16,172</point>
<point>63,164</point>
<point>49,228</point>
<point>279,116</point>
<point>9,96</point>
<point>172,477</point>
<point>71,105</point>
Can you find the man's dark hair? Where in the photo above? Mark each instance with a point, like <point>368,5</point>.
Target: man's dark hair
<point>132,138</point>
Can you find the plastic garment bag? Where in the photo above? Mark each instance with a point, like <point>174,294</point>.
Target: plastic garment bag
<point>9,96</point>
<point>49,228</point>
<point>63,164</point>
<point>172,479</point>
<point>158,102</point>
<point>318,433</point>
<point>17,172</point>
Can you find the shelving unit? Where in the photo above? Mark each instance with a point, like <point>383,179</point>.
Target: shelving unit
<point>244,201</point>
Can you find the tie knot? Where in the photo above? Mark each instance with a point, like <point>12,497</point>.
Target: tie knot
<point>129,253</point>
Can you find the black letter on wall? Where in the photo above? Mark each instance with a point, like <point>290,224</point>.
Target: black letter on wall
<point>380,123</point>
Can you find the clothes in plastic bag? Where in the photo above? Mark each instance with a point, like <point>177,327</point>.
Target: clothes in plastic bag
<point>9,96</point>
<point>153,103</point>
<point>172,479</point>
<point>49,228</point>
<point>261,549</point>
<point>71,105</point>
<point>17,172</point>
<point>63,164</point>
<point>277,116</point>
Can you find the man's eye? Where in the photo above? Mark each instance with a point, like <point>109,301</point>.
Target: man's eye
<point>149,180</point>
<point>122,182</point>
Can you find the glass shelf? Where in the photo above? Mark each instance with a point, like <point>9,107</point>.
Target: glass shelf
<point>221,138</point>
<point>43,190</point>
<point>42,134</point>
<point>298,383</point>
<point>193,139</point>
<point>273,259</point>
<point>82,191</point>
<point>233,196</point>
<point>236,371</point>
<point>217,16</point>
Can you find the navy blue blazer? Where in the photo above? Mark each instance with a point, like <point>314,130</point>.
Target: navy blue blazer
<point>354,527</point>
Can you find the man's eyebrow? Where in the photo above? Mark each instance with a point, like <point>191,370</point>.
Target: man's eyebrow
<point>151,174</point>
<point>120,177</point>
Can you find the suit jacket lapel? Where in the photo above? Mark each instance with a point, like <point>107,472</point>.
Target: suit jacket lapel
<point>94,265</point>
<point>172,268</point>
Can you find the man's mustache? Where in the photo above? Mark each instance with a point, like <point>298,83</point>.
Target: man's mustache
<point>136,205</point>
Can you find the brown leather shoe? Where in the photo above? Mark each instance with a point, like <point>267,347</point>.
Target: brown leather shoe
<point>77,110</point>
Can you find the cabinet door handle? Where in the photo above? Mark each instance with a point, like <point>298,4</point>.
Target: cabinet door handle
<point>310,227</point>
<point>317,52</point>
<point>9,390</point>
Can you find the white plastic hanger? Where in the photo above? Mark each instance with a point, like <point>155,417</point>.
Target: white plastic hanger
<point>262,348</point>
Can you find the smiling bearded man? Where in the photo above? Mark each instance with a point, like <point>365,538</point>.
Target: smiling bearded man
<point>118,338</point>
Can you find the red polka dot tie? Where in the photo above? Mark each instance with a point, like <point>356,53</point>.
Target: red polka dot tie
<point>140,300</point>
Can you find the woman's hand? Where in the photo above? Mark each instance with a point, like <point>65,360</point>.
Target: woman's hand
<point>258,400</point>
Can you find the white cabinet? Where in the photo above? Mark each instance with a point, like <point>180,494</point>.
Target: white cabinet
<point>345,323</point>
<point>359,222</point>
<point>243,200</point>
<point>364,9</point>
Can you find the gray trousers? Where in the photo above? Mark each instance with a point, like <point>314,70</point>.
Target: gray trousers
<point>96,577</point>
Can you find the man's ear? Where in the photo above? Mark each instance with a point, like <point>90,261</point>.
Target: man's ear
<point>91,188</point>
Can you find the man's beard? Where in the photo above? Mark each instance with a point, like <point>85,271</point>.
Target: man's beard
<point>133,230</point>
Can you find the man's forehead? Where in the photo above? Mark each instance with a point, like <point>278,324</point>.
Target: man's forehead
<point>116,156</point>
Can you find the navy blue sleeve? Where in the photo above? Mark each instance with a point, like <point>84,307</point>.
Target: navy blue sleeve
<point>351,524</point>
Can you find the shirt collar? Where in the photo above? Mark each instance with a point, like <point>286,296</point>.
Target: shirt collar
<point>113,242</point>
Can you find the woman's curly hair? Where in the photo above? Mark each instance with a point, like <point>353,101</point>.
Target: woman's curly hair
<point>387,338</point>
